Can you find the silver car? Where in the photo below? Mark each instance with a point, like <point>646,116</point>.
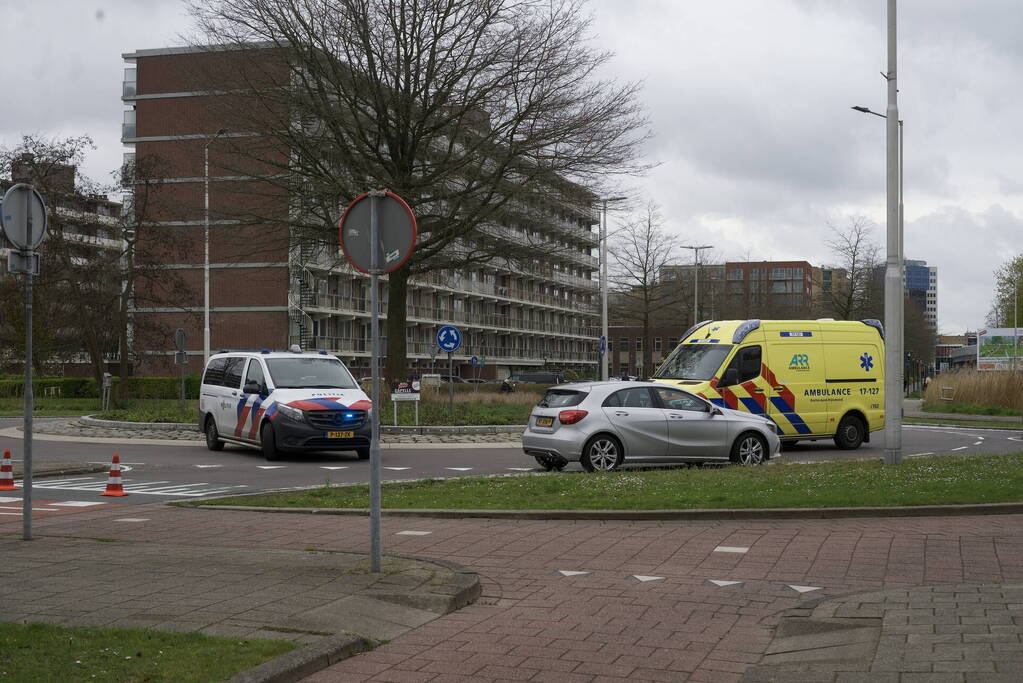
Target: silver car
<point>602,424</point>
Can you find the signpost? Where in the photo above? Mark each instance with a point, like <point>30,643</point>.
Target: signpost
<point>405,391</point>
<point>23,219</point>
<point>180,359</point>
<point>475,363</point>
<point>377,233</point>
<point>449,339</point>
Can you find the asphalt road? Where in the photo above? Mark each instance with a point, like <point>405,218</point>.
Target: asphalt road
<point>156,473</point>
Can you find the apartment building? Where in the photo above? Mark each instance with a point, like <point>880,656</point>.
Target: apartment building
<point>514,315</point>
<point>921,286</point>
<point>743,289</point>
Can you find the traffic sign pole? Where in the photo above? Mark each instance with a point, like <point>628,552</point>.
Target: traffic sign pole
<point>451,386</point>
<point>374,446</point>
<point>26,479</point>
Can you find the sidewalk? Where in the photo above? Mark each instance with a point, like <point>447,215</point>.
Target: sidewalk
<point>913,407</point>
<point>914,599</point>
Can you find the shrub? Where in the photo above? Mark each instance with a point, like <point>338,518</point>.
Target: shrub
<point>983,389</point>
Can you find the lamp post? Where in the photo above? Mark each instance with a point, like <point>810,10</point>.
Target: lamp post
<point>696,279</point>
<point>206,246</point>
<point>603,280</point>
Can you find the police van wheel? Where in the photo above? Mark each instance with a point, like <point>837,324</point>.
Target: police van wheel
<point>850,433</point>
<point>363,453</point>
<point>269,443</point>
<point>213,441</point>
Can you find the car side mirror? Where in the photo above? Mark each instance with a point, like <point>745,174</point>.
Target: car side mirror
<point>714,412</point>
<point>731,377</point>
<point>252,388</point>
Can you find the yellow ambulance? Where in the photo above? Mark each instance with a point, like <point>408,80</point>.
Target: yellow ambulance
<point>816,379</point>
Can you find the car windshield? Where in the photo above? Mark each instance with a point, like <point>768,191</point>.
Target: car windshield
<point>310,373</point>
<point>693,361</point>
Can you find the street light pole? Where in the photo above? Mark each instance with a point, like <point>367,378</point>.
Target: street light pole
<point>603,282</point>
<point>893,291</point>
<point>696,279</point>
<point>206,247</point>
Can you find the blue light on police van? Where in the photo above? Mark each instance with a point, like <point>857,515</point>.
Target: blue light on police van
<point>264,350</point>
<point>349,416</point>
<point>322,352</point>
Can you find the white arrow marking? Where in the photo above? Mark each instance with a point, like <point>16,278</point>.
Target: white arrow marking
<point>340,467</point>
<point>648,578</point>
<point>397,468</point>
<point>722,584</point>
<point>804,589</point>
<point>459,469</point>
<point>271,467</point>
<point>730,549</point>
<point>569,572</point>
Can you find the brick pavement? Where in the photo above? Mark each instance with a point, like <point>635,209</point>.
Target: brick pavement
<point>533,623</point>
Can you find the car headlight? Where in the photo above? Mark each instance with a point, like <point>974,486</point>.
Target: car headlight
<point>293,413</point>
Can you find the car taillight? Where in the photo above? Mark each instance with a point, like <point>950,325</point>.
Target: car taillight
<point>570,417</point>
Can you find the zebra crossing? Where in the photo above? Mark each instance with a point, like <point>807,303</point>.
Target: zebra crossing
<point>145,488</point>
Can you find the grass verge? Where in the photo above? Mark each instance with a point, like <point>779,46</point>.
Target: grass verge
<point>45,653</point>
<point>939,406</point>
<point>49,407</point>
<point>935,480</point>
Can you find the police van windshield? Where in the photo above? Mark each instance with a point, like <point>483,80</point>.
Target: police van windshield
<point>693,361</point>
<point>310,373</point>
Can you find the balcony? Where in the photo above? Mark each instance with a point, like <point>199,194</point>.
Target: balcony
<point>348,346</point>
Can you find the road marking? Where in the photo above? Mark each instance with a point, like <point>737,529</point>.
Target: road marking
<point>342,467</point>
<point>9,500</point>
<point>648,578</point>
<point>132,519</point>
<point>569,572</point>
<point>79,503</point>
<point>960,448</point>
<point>730,549</point>
<point>522,469</point>
<point>413,533</point>
<point>722,584</point>
<point>271,467</point>
<point>917,455</point>
<point>978,443</point>
<point>150,488</point>
<point>34,508</point>
<point>397,468</point>
<point>804,589</point>
<point>459,469</point>
<point>10,513</point>
<point>206,467</point>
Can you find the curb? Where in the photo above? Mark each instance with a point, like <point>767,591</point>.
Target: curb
<point>425,430</point>
<point>61,472</point>
<point>660,515</point>
<point>295,665</point>
<point>1009,426</point>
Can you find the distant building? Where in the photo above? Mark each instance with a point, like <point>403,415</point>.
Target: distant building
<point>921,282</point>
<point>745,289</point>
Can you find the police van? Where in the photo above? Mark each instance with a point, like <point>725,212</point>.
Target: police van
<point>283,401</point>
<point>815,379</point>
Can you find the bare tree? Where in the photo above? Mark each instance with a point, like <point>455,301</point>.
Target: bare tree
<point>640,250</point>
<point>480,113</point>
<point>856,253</point>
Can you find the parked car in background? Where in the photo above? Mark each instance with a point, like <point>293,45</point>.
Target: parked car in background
<point>452,379</point>
<point>603,424</point>
<point>536,378</point>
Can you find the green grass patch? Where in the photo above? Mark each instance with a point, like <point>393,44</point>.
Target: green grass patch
<point>153,410</point>
<point>49,407</point>
<point>966,408</point>
<point>963,423</point>
<point>918,481</point>
<point>45,653</point>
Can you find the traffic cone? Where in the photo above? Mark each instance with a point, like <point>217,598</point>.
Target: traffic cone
<point>7,473</point>
<point>114,487</point>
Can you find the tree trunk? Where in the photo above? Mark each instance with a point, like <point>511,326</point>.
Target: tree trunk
<point>397,296</point>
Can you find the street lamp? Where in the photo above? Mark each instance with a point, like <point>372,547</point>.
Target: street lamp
<point>603,281</point>
<point>893,279</point>
<point>206,247</point>
<point>696,279</point>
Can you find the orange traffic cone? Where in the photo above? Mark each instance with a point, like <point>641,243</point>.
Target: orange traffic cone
<point>114,487</point>
<point>7,473</point>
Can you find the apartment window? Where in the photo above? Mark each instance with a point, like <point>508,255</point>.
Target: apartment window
<point>735,273</point>
<point>639,343</point>
<point>657,343</point>
<point>624,341</point>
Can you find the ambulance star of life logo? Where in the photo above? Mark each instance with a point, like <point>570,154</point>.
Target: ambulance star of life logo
<point>866,362</point>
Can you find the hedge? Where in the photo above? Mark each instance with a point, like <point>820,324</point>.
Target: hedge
<point>87,387</point>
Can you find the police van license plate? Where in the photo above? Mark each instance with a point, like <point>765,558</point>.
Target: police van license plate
<point>340,435</point>
<point>544,421</point>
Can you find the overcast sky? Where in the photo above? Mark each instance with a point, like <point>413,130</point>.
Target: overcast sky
<point>758,150</point>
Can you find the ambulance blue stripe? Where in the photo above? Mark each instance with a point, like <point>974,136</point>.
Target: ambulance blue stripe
<point>752,406</point>
<point>720,402</point>
<point>785,409</point>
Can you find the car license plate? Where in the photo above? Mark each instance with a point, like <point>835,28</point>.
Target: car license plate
<point>340,435</point>
<point>544,421</point>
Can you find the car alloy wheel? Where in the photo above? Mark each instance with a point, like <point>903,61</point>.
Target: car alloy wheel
<point>751,450</point>
<point>602,455</point>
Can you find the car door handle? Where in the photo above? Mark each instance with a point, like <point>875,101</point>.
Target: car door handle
<point>758,391</point>
<point>778,388</point>
<point>676,416</point>
<point>621,413</point>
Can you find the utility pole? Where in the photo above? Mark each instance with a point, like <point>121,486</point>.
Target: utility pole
<point>893,286</point>
<point>603,280</point>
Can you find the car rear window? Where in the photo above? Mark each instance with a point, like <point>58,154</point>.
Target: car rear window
<point>559,398</point>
